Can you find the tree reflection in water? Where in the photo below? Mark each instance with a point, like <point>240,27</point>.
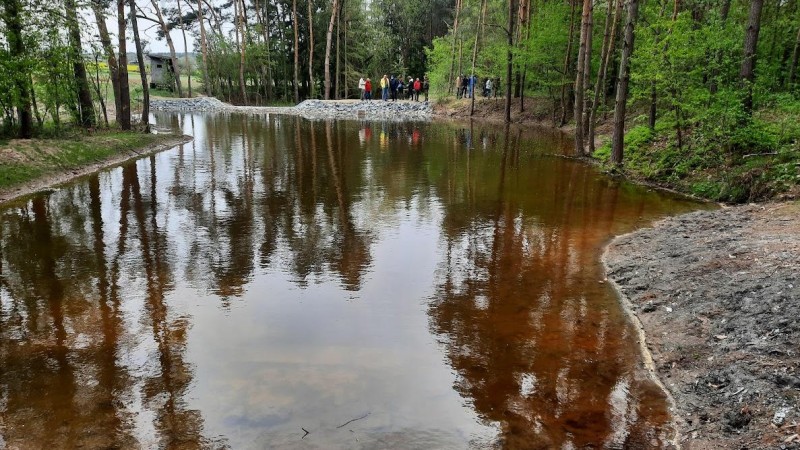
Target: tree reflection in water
<point>101,279</point>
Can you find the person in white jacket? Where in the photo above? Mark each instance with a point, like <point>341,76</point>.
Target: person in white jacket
<point>361,85</point>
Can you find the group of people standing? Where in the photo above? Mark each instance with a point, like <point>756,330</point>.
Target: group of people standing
<point>465,86</point>
<point>392,87</point>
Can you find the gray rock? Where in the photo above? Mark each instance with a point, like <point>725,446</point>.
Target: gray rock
<point>310,109</point>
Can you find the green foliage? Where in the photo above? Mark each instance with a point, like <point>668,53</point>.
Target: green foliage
<point>745,161</point>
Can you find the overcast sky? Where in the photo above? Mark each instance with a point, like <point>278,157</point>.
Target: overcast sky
<point>147,30</point>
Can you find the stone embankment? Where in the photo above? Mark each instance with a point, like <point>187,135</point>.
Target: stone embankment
<point>310,109</point>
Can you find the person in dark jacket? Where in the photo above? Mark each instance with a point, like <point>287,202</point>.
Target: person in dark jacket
<point>393,88</point>
<point>425,86</point>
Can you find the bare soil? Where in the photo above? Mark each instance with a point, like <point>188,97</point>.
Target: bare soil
<point>18,152</point>
<point>717,295</point>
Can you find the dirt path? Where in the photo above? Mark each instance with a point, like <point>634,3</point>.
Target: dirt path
<point>63,176</point>
<point>718,297</point>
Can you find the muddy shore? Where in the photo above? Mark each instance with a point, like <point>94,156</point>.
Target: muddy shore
<point>60,177</point>
<point>718,297</point>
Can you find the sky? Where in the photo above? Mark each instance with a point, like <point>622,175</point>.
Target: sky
<point>147,29</point>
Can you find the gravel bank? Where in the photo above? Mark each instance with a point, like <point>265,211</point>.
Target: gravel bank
<point>310,109</point>
<point>718,296</point>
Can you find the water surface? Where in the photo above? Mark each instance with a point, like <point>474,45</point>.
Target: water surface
<point>284,283</point>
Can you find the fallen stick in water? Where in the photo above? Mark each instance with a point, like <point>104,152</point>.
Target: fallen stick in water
<point>353,420</point>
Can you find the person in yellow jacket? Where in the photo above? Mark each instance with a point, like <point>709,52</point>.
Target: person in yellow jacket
<point>385,88</point>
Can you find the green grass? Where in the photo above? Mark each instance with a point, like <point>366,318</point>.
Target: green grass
<point>39,157</point>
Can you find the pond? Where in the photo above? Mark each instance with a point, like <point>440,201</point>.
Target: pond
<point>286,283</point>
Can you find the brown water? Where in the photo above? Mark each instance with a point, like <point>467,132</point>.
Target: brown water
<point>378,285</point>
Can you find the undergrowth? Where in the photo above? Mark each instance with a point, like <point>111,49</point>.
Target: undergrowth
<point>750,159</point>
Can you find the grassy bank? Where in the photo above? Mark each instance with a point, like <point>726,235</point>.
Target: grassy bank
<point>22,161</point>
<point>728,159</point>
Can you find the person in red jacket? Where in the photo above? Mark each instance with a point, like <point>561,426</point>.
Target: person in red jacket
<point>368,89</point>
<point>417,88</point>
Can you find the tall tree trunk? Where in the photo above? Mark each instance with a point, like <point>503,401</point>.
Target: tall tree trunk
<point>651,117</point>
<point>747,74</point>
<point>311,86</point>
<point>795,57</point>
<point>567,60</point>
<point>145,119</point>
<point>185,48</point>
<point>329,36</point>
<point>509,61</point>
<point>580,90</point>
<point>124,110</point>
<point>16,44</point>
<point>296,54</point>
<point>618,136</point>
<point>344,72</point>
<point>460,55</point>
<point>87,116</point>
<point>204,48</point>
<point>524,24</point>
<point>96,84</point>
<point>105,41</point>
<point>36,114</point>
<point>172,55</point>
<point>475,56</point>
<point>336,65</point>
<point>609,36</point>
<point>264,21</point>
<point>453,46</point>
<point>587,73</point>
<point>240,33</point>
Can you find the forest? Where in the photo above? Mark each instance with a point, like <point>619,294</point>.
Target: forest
<point>696,81</point>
